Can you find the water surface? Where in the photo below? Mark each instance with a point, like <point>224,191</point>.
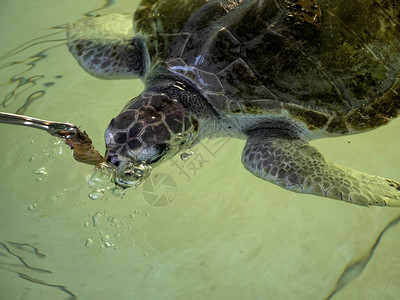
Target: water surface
<point>203,228</point>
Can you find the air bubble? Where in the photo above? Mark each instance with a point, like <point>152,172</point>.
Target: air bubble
<point>97,194</point>
<point>108,245</point>
<point>96,219</point>
<point>88,243</point>
<point>40,171</point>
<point>56,197</point>
<point>101,179</point>
<point>32,207</point>
<point>185,156</point>
<point>57,148</point>
<point>118,191</point>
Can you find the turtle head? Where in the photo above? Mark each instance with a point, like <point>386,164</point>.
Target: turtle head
<point>151,129</point>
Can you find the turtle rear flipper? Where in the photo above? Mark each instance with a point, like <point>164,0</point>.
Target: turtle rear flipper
<point>106,48</point>
<point>295,165</point>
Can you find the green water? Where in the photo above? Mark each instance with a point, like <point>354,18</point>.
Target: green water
<point>200,229</point>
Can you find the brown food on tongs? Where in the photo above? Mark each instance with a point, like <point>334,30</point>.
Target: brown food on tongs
<point>84,150</point>
<point>76,139</point>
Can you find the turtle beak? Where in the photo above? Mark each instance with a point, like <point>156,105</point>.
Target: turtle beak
<point>112,158</point>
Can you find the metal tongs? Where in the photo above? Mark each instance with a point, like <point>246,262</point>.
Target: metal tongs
<point>76,139</point>
<point>61,130</point>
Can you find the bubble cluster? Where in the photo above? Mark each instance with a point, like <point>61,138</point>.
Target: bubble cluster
<point>108,232</point>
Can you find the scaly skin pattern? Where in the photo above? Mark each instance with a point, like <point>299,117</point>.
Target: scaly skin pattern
<point>295,165</point>
<point>104,47</point>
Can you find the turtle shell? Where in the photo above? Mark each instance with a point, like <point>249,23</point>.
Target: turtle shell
<point>331,64</point>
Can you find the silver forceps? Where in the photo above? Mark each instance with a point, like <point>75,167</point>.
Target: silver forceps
<point>61,130</point>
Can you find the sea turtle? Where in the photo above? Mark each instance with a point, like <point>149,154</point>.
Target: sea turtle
<point>278,73</point>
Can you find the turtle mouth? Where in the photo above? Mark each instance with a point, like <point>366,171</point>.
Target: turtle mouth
<point>151,154</point>
<point>113,159</point>
<point>131,174</point>
<point>128,172</point>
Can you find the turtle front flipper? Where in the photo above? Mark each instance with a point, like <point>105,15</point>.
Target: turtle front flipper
<point>293,164</point>
<point>106,48</point>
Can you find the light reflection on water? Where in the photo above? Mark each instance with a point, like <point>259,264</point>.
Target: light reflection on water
<point>202,226</point>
